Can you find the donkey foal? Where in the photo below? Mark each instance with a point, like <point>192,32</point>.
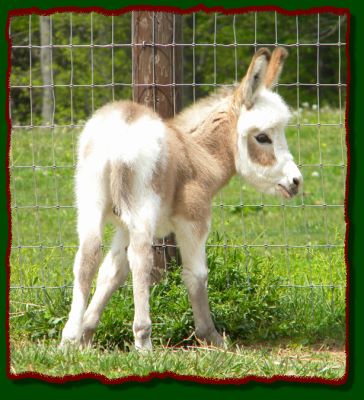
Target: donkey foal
<point>150,177</point>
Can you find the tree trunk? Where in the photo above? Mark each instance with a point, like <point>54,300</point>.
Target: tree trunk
<point>46,69</point>
<point>157,67</point>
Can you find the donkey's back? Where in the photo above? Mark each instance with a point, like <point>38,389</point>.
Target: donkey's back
<point>122,131</point>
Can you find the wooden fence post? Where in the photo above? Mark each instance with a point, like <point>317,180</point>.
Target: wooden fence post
<point>157,67</point>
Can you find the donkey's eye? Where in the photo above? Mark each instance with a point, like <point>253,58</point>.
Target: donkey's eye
<point>263,138</point>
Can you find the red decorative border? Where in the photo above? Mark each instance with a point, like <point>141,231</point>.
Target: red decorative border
<point>152,375</point>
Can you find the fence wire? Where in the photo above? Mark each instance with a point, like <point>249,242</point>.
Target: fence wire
<point>90,64</point>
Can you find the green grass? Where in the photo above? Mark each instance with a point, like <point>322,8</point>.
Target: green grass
<point>46,359</point>
<point>277,270</point>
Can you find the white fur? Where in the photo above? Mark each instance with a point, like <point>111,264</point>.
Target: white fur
<point>138,144</point>
<point>270,114</point>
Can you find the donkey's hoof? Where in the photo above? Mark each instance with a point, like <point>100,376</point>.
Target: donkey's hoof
<point>212,339</point>
<point>69,343</point>
<point>70,337</point>
<point>217,340</point>
<point>143,346</point>
<point>86,339</point>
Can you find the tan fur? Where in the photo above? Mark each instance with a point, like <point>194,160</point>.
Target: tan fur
<point>134,111</point>
<point>275,66</point>
<point>90,255</point>
<point>198,166</point>
<point>260,154</point>
<point>120,186</point>
<point>190,119</point>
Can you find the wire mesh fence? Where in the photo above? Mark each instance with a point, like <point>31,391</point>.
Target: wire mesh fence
<point>89,62</point>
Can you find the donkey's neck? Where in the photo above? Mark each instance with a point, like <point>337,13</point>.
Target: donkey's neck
<point>192,117</point>
<point>200,164</point>
<point>216,137</point>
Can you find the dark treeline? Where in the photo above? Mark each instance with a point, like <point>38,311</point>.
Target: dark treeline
<point>82,77</point>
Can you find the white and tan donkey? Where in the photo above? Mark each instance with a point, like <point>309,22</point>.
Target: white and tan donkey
<point>150,177</point>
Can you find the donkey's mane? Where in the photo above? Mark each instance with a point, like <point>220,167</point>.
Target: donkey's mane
<point>188,120</point>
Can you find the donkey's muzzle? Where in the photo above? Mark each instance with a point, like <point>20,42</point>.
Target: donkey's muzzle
<point>294,188</point>
<point>289,191</point>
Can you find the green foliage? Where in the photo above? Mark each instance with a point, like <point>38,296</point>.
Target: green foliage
<point>246,307</point>
<point>40,316</point>
<point>249,303</point>
<point>96,68</point>
<point>307,63</point>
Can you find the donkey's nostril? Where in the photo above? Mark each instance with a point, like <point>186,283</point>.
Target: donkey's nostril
<point>296,181</point>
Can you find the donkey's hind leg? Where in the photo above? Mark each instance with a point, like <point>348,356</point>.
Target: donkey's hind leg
<point>90,224</point>
<point>112,274</point>
<point>85,265</point>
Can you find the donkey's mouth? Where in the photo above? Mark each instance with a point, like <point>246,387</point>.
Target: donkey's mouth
<point>285,192</point>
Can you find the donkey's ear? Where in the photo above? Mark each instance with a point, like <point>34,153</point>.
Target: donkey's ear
<point>275,66</point>
<point>253,80</point>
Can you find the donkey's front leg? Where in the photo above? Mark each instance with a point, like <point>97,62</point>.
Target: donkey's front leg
<point>191,241</point>
<point>141,262</point>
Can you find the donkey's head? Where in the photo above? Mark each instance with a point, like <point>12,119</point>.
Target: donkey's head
<point>263,157</point>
